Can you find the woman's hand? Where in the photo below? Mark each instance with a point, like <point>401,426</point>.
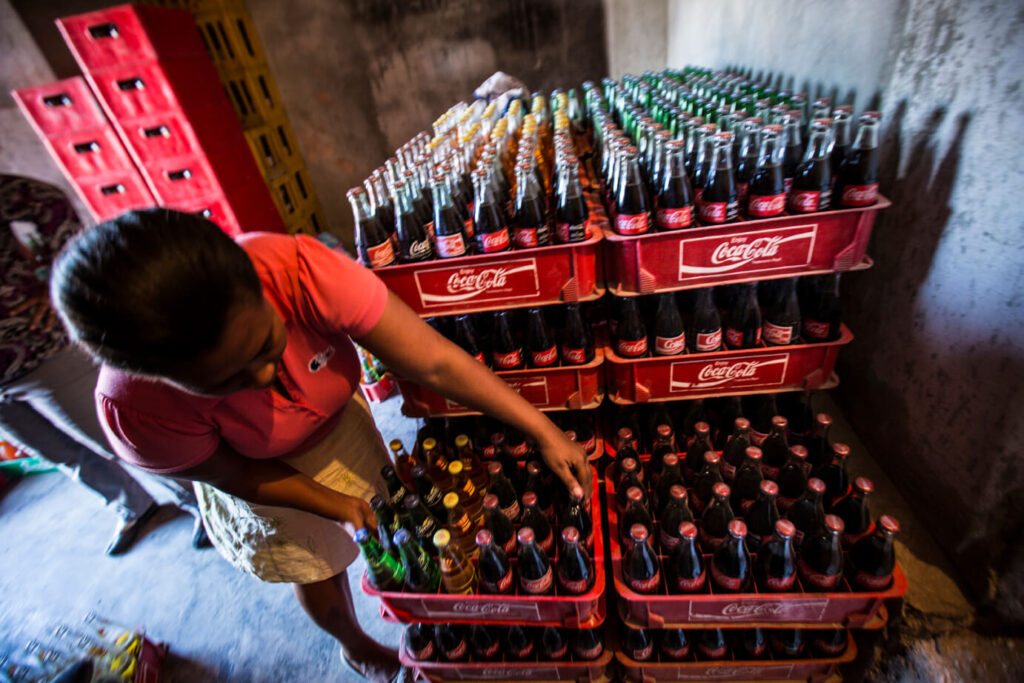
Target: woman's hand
<point>568,461</point>
<point>355,511</point>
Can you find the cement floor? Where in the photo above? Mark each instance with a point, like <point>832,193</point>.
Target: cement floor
<point>223,625</point>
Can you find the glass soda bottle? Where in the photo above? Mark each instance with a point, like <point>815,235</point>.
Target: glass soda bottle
<point>753,643</point>
<point>451,641</point>
<point>420,521</point>
<point>428,491</point>
<point>858,175</point>
<point>382,570</point>
<point>718,202</point>
<point>554,645</point>
<point>419,642</point>
<point>829,642</point>
<point>396,489</point>
<point>705,324</point>
<point>808,512</point>
<point>787,643</point>
<point>572,217</point>
<point>776,560</point>
<point>712,645</point>
<point>373,239</point>
<point>641,568</point>
<point>686,570</point>
<point>576,574</point>
<point>762,515</point>
<point>472,465</point>
<point>485,641</point>
<point>746,486</point>
<point>531,227</point>
<point>700,445</point>
<point>794,149</point>
<point>458,523</point>
<point>388,523</point>
<point>536,577</point>
<point>504,491</point>
<point>632,209</point>
<point>821,557</point>
<point>874,557</point>
<point>630,333</point>
<point>793,477</point>
<point>576,515</point>
<point>744,328</point>
<point>494,566</point>
<point>540,343</point>
<point>519,644</point>
<point>637,643</point>
<point>669,334</point>
<point>634,511</point>
<point>834,474</point>
<point>449,229</point>
<point>457,572</point>
<point>490,228</point>
<point>842,134</point>
<point>775,448</point>
<point>588,643</point>
<point>422,575</point>
<point>677,511</point>
<point>499,525</point>
<point>469,497</point>
<point>730,565</point>
<point>855,512</point>
<point>675,196</point>
<point>735,449</point>
<point>465,337</point>
<point>823,316</point>
<point>812,184</point>
<point>538,482</point>
<point>414,243</point>
<point>675,644</point>
<point>506,351</point>
<point>577,342</point>
<point>766,196</point>
<point>746,159</point>
<point>705,482</point>
<point>781,324</point>
<point>671,475</point>
<point>535,519</point>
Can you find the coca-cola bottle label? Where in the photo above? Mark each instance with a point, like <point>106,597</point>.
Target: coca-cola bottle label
<point>590,445</point>
<point>574,356</point>
<point>673,219</point>
<point>519,450</point>
<point>502,585</point>
<point>419,251</point>
<point>542,359</point>
<point>510,547</point>
<point>450,246</point>
<point>788,184</point>
<point>669,346</point>
<point>573,232</point>
<point>424,653</point>
<point>872,582</point>
<point>537,586</point>
<point>778,334</point>
<point>644,654</point>
<point>547,542</point>
<point>504,361</point>
<point>687,585</point>
<point>559,653</point>
<point>804,201</point>
<point>380,255</point>
<point>675,652</point>
<point>645,585</point>
<point>716,212</point>
<point>492,650</point>
<point>712,652</point>
<point>635,224</point>
<point>458,652</point>
<point>590,652</point>
<point>631,349</point>
<point>815,329</point>
<point>734,337</point>
<point>493,241</point>
<point>525,652</point>
<point>783,583</point>
<point>574,587</point>
<point>526,237</point>
<point>732,583</point>
<point>815,578</point>
<point>850,539</point>
<point>832,649</point>
<point>762,206</point>
<point>859,195</point>
<point>710,341</point>
<point>480,357</point>
<point>468,225</point>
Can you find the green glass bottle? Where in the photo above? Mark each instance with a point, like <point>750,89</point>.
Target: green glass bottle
<point>384,571</point>
<point>422,575</point>
<point>387,523</point>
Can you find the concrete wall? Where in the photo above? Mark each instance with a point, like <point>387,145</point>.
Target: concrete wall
<point>636,32</point>
<point>932,380</point>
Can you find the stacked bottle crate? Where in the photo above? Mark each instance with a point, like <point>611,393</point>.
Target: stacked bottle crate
<point>230,37</point>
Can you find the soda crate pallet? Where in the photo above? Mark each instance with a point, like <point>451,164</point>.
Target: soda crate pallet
<point>766,249</point>
<point>710,608</point>
<point>723,373</point>
<point>567,387</point>
<point>570,611</point>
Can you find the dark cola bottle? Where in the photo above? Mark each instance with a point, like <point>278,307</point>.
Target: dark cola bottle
<point>776,568</point>
<point>669,334</point>
<point>781,324</point>
<point>671,475</point>
<point>675,196</point>
<point>830,643</point>
<point>576,515</point>
<point>735,449</point>
<point>531,226</point>
<point>533,518</point>
<point>823,315</point>
<point>519,643</point>
<point>429,492</point>
<point>855,512</point>
<point>554,645</point>
<point>664,444</point>
<point>793,477</point>
<point>397,491</point>
<point>746,159</point>
<point>506,351</point>
<point>834,474</point>
<point>747,485</point>
<point>821,557</point>
<point>705,333</point>
<point>762,515</point>
<point>766,196</point>
<point>858,175</point>
<point>705,146</point>
<point>787,643</point>
<point>743,330</point>
<point>540,343</point>
<point>775,448</point>
<point>759,409</point>
<point>641,568</point>
<point>632,210</point>
<point>572,217</point>
<point>873,557</point>
<point>536,577</point>
<point>583,425</point>
<point>575,568</point>
<point>495,570</point>
<point>538,483</point>
<point>714,523</point>
<point>451,641</point>
<point>712,644</point>
<point>465,337</point>
<point>629,473</point>
<point>577,346</point>
<point>674,645</point>
<point>686,571</point>
<point>503,489</point>
<point>490,229</point>
<point>719,202</point>
<point>707,478</point>
<point>637,643</point>
<point>626,448</point>
<point>730,565</point>
<point>812,184</point>
<point>414,244</point>
<point>485,642</point>
<point>700,445</point>
<point>419,642</point>
<point>819,446</point>
<point>499,525</point>
<point>808,513</point>
<point>676,512</point>
<point>373,238</point>
<point>794,148</point>
<point>842,136</point>
<point>752,643</point>
<point>588,643</point>
<point>383,207</point>
<point>630,333</point>
<point>449,228</point>
<point>634,513</point>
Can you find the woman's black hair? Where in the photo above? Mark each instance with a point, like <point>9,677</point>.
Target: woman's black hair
<point>150,289</point>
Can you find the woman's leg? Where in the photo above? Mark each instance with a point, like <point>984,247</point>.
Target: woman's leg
<point>329,604</point>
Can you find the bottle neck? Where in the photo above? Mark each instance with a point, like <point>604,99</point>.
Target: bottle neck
<point>442,194</point>
<point>360,206</point>
<point>675,165</point>
<point>867,135</point>
<point>770,153</point>
<point>817,146</point>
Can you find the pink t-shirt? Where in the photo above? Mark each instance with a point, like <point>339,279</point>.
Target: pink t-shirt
<point>324,298</point>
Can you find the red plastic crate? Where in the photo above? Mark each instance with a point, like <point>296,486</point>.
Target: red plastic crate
<point>91,152</point>
<point>214,207</point>
<point>379,390</point>
<point>529,277</point>
<point>128,34</point>
<point>722,373</point>
<point>172,134</point>
<point>709,609</point>
<point>572,387</point>
<point>569,611</point>
<point>748,250</point>
<point>566,670</point>
<point>133,91</point>
<point>734,670</point>
<point>111,195</point>
<point>60,108</point>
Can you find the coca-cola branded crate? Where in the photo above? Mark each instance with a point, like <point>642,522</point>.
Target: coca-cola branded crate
<point>554,274</point>
<point>709,608</point>
<point>732,669</point>
<point>569,669</point>
<point>569,611</point>
<point>567,387</point>
<point>722,373</point>
<point>748,250</point>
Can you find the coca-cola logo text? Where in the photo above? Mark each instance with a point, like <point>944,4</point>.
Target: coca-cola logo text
<point>793,609</point>
<point>513,279</point>
<point>764,370</point>
<point>750,251</point>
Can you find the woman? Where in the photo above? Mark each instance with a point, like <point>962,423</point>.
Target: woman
<point>230,364</point>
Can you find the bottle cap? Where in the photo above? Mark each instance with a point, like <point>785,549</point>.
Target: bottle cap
<point>483,537</point>
<point>816,485</point>
<point>490,502</point>
<point>799,451</point>
<point>524,535</point>
<point>529,499</point>
<point>769,487</point>
<point>401,536</point>
<point>677,492</point>
<point>712,458</point>
<point>785,528</point>
<point>571,534</point>
<point>571,435</point>
<point>753,452</point>
<point>494,467</point>
<point>664,430</point>
<point>702,428</point>
<point>628,464</point>
<point>721,490</point>
<point>780,422</point>
<point>834,523</point>
<point>387,471</point>
<point>442,538</point>
<point>362,535</point>
<point>533,467</point>
<point>429,444</point>
<point>450,500</point>
<point>455,468</point>
<point>737,528</point>
<point>669,459</point>
<point>638,532</point>
<point>889,523</point>
<point>461,441</point>
<point>634,494</point>
<point>624,434</point>
<point>823,419</point>
<point>687,530</point>
<point>377,502</point>
<point>411,500</point>
<point>395,445</point>
<point>840,449</point>
<point>742,423</point>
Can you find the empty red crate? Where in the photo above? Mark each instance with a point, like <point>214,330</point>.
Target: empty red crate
<point>111,195</point>
<point>572,387</point>
<point>172,134</point>
<point>91,152</point>
<point>722,373</point>
<point>814,668</point>
<point>709,609</point>
<point>569,611</point>
<point>61,108</point>
<point>180,179</point>
<point>737,252</point>
<point>133,91</point>
<point>128,34</point>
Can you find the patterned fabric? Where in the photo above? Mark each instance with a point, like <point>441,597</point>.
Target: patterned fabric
<point>46,221</point>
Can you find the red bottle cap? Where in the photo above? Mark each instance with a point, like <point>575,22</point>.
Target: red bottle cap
<point>786,528</point>
<point>769,487</point>
<point>677,492</point>
<point>780,421</point>
<point>624,434</point>
<point>834,523</point>
<point>721,490</point>
<point>754,452</point>
<point>483,537</point>
<point>635,494</point>
<point>889,523</point>
<point>840,449</point>
<point>628,464</point>
<point>712,458</point>
<point>823,418</point>
<point>494,467</point>
<point>571,534</point>
<point>737,528</point>
<point>798,451</point>
<point>533,467</point>
<point>529,499</point>
<point>670,459</point>
<point>490,502</point>
<point>742,423</point>
<point>570,434</point>
<point>864,484</point>
<point>638,532</point>
<point>524,535</point>
<point>816,485</point>
<point>664,430</point>
<point>688,530</point>
<point>702,428</point>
